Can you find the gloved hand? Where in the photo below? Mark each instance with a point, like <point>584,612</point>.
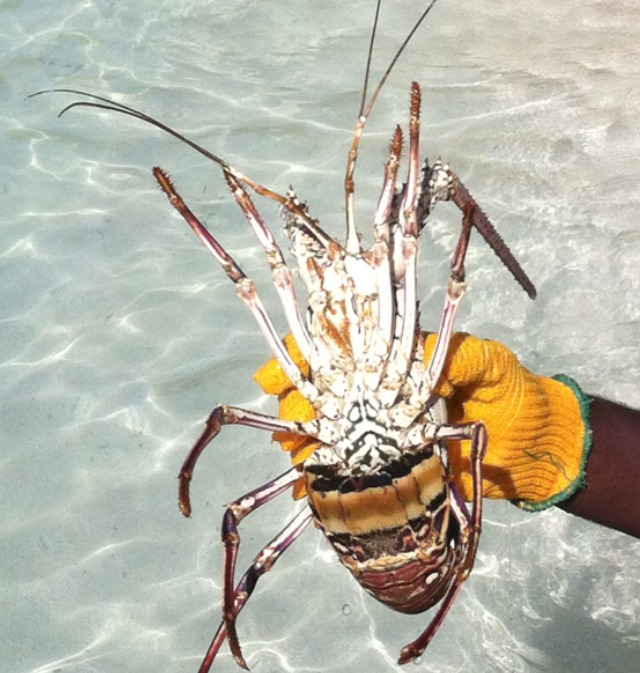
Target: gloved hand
<point>293,407</point>
<point>538,428</point>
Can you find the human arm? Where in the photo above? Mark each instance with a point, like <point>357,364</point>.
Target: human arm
<point>611,494</point>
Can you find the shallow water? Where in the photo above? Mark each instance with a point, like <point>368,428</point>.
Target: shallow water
<point>119,333</point>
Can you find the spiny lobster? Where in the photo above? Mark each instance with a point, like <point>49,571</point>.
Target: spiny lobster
<point>378,483</point>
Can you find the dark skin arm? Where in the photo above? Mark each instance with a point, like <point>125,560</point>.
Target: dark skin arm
<point>611,496</point>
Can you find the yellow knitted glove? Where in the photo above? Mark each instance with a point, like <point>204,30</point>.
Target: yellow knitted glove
<point>293,406</point>
<point>538,428</point>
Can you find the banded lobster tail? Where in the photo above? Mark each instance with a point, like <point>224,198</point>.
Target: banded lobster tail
<point>378,482</point>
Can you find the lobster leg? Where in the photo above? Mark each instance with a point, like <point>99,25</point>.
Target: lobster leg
<point>418,646</point>
<point>405,251</point>
<point>471,525</point>
<point>409,224</point>
<point>245,287</point>
<point>462,198</point>
<point>262,563</point>
<point>440,183</point>
<point>381,251</point>
<point>470,528</point>
<point>280,272</point>
<point>226,415</point>
<point>234,514</point>
<point>455,291</point>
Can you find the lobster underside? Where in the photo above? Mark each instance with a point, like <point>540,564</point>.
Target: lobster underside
<point>378,483</point>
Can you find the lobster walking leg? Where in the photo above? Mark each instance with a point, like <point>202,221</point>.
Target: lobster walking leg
<point>262,563</point>
<point>470,527</point>
<point>408,308</point>
<point>479,441</point>
<point>455,291</point>
<point>245,287</point>
<point>280,272</point>
<point>380,250</point>
<point>226,415</point>
<point>234,599</point>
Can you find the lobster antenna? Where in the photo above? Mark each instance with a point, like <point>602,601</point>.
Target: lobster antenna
<point>353,242</point>
<point>114,106</point>
<point>102,103</point>
<point>367,71</point>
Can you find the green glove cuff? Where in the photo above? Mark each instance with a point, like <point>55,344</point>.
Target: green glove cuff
<point>580,480</point>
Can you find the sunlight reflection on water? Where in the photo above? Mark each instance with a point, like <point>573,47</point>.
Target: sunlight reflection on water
<point>120,334</point>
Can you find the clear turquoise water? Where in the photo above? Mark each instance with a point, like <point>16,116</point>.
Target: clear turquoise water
<point>119,334</point>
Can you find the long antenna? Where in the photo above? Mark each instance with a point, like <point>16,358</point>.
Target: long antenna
<point>101,103</point>
<point>367,71</point>
<point>353,242</point>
